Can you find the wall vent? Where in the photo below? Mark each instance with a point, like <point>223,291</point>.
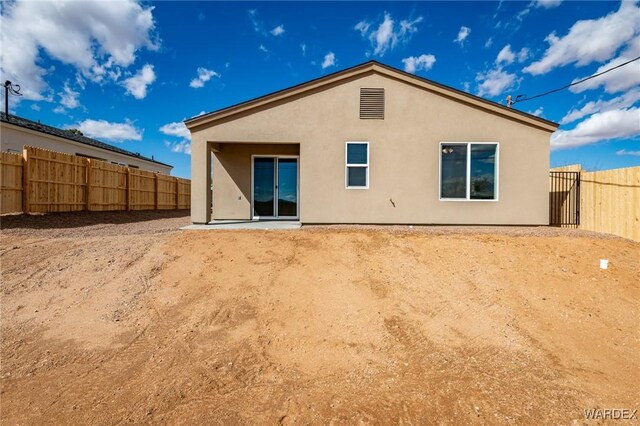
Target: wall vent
<point>371,103</point>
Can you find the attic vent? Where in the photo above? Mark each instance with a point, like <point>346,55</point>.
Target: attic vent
<point>371,103</point>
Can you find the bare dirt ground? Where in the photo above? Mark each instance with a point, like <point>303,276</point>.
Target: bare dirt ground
<point>121,318</point>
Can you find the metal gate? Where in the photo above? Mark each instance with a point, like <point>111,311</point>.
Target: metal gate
<point>564,199</point>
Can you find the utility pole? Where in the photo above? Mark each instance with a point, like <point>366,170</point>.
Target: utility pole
<point>14,89</point>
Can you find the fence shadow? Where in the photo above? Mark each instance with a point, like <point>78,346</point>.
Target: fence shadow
<point>619,185</point>
<point>81,219</point>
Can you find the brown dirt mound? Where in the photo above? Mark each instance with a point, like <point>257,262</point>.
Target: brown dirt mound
<point>318,325</point>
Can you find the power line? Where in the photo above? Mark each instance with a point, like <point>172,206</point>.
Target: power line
<point>520,98</point>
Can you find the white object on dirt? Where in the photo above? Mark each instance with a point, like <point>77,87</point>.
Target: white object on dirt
<point>604,263</point>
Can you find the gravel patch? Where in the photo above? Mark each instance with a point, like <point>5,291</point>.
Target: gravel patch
<point>517,231</point>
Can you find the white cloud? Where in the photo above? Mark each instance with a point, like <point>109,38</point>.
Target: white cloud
<point>183,147</point>
<point>624,101</point>
<point>35,107</point>
<point>329,60</point>
<point>625,152</point>
<point>521,15</point>
<point>137,85</point>
<point>204,75</point>
<point>59,110</point>
<point>262,48</point>
<point>277,31</point>
<point>177,129</point>
<point>488,43</point>
<point>418,63</point>
<point>603,126</point>
<point>257,24</point>
<point>507,56</point>
<point>618,80</point>
<point>463,33</point>
<point>115,132</point>
<point>495,82</point>
<point>303,47</point>
<point>69,97</point>
<point>538,112</point>
<point>547,4</point>
<point>387,35</point>
<point>523,54</point>
<point>363,27</point>
<point>93,37</point>
<point>590,40</point>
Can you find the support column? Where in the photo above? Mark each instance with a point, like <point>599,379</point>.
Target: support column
<point>200,181</point>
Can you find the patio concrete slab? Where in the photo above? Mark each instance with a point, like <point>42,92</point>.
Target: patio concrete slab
<point>245,224</point>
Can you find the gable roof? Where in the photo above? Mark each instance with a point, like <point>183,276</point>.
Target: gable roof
<point>65,134</point>
<point>377,67</point>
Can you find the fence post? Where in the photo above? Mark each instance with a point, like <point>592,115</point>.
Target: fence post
<point>175,179</point>
<point>155,175</point>
<point>89,179</point>
<point>26,186</point>
<point>128,191</point>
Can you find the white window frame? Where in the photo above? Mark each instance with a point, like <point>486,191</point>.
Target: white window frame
<point>468,195</point>
<point>347,165</point>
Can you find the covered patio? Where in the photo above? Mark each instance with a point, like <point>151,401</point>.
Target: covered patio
<point>249,181</point>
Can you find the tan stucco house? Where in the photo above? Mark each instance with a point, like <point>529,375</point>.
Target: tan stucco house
<point>371,144</point>
<point>16,132</point>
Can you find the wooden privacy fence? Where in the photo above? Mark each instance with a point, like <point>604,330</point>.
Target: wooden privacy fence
<point>10,182</point>
<point>42,181</point>
<point>609,200</point>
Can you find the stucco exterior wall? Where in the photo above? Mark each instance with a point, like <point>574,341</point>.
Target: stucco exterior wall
<point>13,138</point>
<point>404,157</point>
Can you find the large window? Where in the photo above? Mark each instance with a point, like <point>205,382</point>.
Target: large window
<point>469,171</point>
<point>357,165</point>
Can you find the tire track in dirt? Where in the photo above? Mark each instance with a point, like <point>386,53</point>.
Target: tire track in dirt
<point>318,326</point>
<point>142,267</point>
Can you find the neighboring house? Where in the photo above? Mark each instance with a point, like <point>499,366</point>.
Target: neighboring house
<point>15,132</point>
<point>372,144</point>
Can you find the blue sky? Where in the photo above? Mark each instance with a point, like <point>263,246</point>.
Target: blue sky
<point>129,72</point>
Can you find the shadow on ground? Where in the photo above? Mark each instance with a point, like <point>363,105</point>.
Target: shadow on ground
<point>81,219</point>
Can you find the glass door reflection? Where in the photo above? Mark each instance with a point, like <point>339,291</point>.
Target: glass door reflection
<point>287,187</point>
<point>264,187</point>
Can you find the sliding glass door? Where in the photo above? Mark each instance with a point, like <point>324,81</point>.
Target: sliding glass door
<point>287,187</point>
<point>264,189</point>
<point>275,188</point>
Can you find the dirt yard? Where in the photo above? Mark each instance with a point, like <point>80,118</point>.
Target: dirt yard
<point>122,318</point>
